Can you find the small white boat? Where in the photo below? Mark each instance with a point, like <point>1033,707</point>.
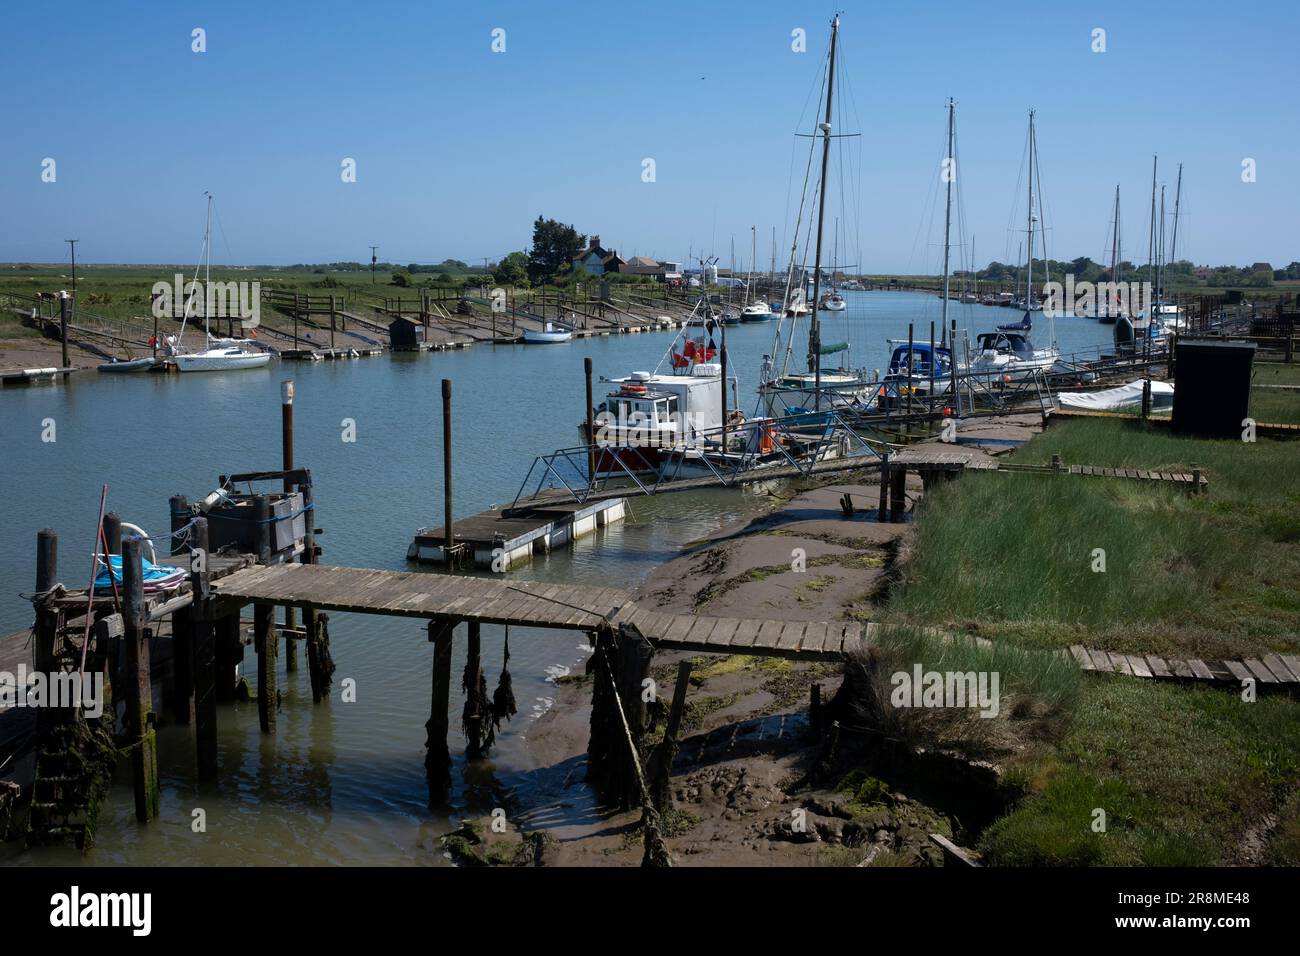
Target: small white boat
<point>833,302</point>
<point>548,335</point>
<point>1118,399</point>
<point>757,312</point>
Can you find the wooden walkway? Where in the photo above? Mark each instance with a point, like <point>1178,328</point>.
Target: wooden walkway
<point>1269,669</point>
<point>530,604</point>
<point>928,460</point>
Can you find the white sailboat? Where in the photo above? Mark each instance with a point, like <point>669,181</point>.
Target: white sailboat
<point>221,354</point>
<point>1007,353</point>
<point>755,310</point>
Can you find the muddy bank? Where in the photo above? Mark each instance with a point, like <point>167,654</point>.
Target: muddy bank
<point>752,783</point>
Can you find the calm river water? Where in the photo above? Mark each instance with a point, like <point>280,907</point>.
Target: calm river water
<point>344,783</point>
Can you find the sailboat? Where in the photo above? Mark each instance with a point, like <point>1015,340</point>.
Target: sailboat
<point>1110,310</point>
<point>782,391</point>
<point>1007,353</point>
<point>221,354</point>
<point>832,301</point>
<point>755,310</point>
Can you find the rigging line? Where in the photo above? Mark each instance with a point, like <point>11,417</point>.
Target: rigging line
<point>1012,206</point>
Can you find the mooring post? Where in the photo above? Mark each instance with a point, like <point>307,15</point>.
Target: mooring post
<point>312,620</point>
<point>139,704</point>
<point>591,425</point>
<point>448,532</point>
<point>266,645</point>
<point>180,517</point>
<point>473,678</point>
<point>262,516</point>
<point>112,526</point>
<point>815,708</point>
<point>437,762</point>
<point>286,454</point>
<point>47,619</point>
<point>883,509</point>
<point>63,325</point>
<point>661,774</point>
<point>204,653</point>
<point>897,493</point>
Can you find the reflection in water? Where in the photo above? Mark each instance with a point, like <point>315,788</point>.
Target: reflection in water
<point>344,782</point>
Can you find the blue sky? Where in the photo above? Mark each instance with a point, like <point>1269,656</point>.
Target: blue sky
<point>458,148</point>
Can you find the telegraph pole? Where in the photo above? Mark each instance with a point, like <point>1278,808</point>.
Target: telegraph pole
<point>72,244</point>
<point>373,259</point>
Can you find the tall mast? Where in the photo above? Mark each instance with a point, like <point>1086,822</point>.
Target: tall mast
<point>1114,247</point>
<point>1151,237</point>
<point>814,331</point>
<point>1178,196</point>
<point>207,274</point>
<point>1160,253</point>
<point>950,174</point>
<point>1029,264</point>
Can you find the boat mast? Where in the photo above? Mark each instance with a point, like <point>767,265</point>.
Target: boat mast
<point>949,175</point>
<point>814,331</point>
<point>1151,240</point>
<point>1178,196</point>
<point>207,274</point>
<point>1114,246</point>
<point>1029,265</point>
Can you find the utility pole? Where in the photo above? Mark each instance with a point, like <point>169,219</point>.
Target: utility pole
<point>373,259</point>
<point>72,244</point>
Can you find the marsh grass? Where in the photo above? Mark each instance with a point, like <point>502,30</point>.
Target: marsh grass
<point>1216,574</point>
<point>1183,774</point>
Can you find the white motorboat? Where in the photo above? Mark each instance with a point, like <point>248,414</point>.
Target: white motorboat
<point>833,302</point>
<point>548,335</point>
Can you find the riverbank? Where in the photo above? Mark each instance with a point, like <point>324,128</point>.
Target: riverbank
<point>752,783</point>
<point>1076,769</point>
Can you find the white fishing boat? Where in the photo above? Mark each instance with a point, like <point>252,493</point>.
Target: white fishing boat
<point>757,312</point>
<point>548,335</point>
<point>221,354</point>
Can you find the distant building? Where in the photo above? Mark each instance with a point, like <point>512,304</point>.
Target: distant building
<point>1262,267</point>
<point>598,260</point>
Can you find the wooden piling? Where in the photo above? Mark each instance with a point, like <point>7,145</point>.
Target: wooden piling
<point>883,509</point>
<point>47,620</point>
<point>286,457</point>
<point>437,761</point>
<point>266,645</point>
<point>591,424</point>
<point>112,525</point>
<point>473,678</point>
<point>897,493</point>
<point>449,536</point>
<point>262,515</point>
<point>661,773</point>
<point>203,654</point>
<point>139,692</point>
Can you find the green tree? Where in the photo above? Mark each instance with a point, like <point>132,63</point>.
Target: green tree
<point>554,246</point>
<point>512,270</point>
<point>402,279</point>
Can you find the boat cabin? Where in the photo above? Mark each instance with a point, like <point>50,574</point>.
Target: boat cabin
<point>1006,343</point>
<point>920,361</point>
<point>662,409</point>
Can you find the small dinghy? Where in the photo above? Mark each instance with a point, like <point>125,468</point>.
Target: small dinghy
<point>548,335</point>
<point>128,365</point>
<point>1124,398</point>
